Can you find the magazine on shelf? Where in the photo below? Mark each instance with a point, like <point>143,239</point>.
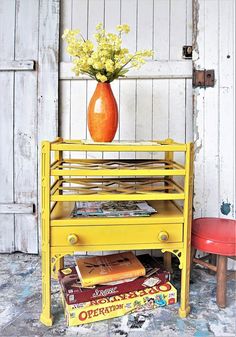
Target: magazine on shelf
<point>74,292</point>
<point>112,208</point>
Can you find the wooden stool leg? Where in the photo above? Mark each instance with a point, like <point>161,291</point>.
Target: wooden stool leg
<point>212,260</point>
<point>221,281</point>
<point>193,253</point>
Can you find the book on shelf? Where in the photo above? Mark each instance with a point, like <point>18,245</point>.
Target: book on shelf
<point>112,208</point>
<point>106,268</point>
<point>119,305</point>
<point>74,293</point>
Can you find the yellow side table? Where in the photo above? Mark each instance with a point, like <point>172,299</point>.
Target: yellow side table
<point>164,183</point>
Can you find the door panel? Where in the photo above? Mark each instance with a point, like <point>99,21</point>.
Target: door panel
<point>7,19</point>
<point>28,62</point>
<point>214,110</point>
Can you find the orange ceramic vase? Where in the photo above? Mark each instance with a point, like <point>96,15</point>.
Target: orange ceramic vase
<point>102,114</point>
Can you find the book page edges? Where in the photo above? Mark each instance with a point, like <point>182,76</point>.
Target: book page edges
<point>79,274</point>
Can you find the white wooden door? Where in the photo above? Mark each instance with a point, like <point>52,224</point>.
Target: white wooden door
<point>18,137</point>
<point>28,83</point>
<point>154,102</point>
<point>214,109</point>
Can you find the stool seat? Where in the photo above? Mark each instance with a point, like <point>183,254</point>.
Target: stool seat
<point>214,235</point>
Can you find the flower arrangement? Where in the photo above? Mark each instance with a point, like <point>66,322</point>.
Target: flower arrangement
<point>108,60</point>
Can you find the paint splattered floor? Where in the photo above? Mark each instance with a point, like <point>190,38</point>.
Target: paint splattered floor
<point>20,303</point>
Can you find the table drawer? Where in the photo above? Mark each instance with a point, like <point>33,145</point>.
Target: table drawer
<point>116,234</point>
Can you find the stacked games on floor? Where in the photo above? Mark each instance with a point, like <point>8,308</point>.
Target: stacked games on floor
<point>144,285</point>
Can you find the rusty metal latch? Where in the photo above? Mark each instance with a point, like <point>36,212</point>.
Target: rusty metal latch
<point>203,78</point>
<point>187,52</point>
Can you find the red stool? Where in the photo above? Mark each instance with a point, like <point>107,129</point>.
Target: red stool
<point>215,236</point>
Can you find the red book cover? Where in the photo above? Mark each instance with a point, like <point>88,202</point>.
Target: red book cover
<point>74,293</point>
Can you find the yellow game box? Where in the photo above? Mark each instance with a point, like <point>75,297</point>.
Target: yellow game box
<point>115,306</point>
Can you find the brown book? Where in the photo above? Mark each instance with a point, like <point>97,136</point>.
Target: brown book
<point>107,268</point>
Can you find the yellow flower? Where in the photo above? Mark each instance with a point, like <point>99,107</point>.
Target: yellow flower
<point>99,26</point>
<point>65,34</point>
<point>105,53</point>
<point>69,35</point>
<point>101,78</point>
<point>109,66</point>
<point>90,61</point>
<point>123,28</point>
<point>87,46</point>
<point>98,65</point>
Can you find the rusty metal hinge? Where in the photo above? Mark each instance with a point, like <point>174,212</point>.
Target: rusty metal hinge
<point>203,78</point>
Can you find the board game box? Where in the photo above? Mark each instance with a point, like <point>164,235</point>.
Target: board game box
<point>119,305</point>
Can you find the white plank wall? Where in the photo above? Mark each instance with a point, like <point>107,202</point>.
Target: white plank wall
<point>25,130</point>
<point>7,22</point>
<point>214,109</point>
<point>226,105</point>
<point>152,105</point>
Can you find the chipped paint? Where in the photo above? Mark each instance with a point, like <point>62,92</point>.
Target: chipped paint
<point>225,208</point>
<point>195,29</point>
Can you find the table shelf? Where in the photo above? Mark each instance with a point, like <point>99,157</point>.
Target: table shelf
<point>167,211</point>
<point>98,189</point>
<point>87,167</point>
<point>116,146</point>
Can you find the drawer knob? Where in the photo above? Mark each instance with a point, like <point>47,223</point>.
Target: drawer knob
<point>72,239</point>
<point>163,236</point>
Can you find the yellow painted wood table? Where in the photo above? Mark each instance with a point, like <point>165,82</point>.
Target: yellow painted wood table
<point>165,181</point>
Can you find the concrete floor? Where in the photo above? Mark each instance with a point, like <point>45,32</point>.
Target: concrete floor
<point>20,304</point>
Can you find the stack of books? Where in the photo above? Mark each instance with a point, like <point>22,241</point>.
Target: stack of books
<point>112,209</point>
<point>103,287</point>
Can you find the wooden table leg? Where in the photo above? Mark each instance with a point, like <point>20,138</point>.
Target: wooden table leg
<point>221,281</point>
<point>168,262</point>
<point>184,297</point>
<point>185,276</point>
<point>46,316</point>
